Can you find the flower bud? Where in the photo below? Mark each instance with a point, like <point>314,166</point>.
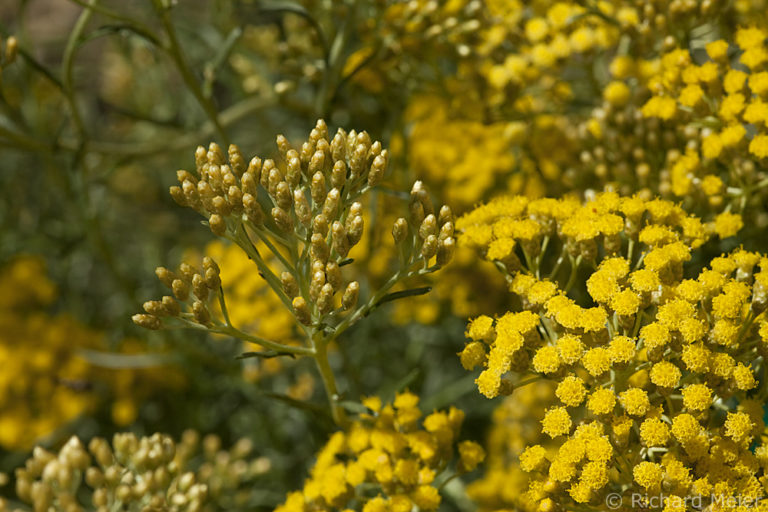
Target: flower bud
<point>290,286</point>
<point>333,274</point>
<point>275,178</point>
<point>187,271</point>
<point>318,248</point>
<point>301,310</point>
<point>417,213</point>
<point>165,276</point>
<point>355,210</point>
<point>200,157</point>
<point>154,307</point>
<point>206,194</point>
<point>429,248</point>
<point>178,196</point>
<point>217,224</point>
<point>339,174</point>
<point>172,307</point>
<point>180,289</point>
<point>446,231</point>
<point>351,142</point>
<point>355,230</point>
<point>228,178</point>
<point>317,188</point>
<point>325,299</point>
<point>293,172</point>
<point>282,219</point>
<point>306,155</point>
<point>283,146</point>
<point>339,239</point>
<point>317,162</point>
<point>339,146</point>
<point>266,170</point>
<point>400,230</point>
<point>199,287</point>
<point>190,194</point>
<point>210,263</point>
<point>331,203</point>
<point>320,131</point>
<point>428,226</point>
<point>419,193</point>
<point>301,207</point>
<point>147,321</point>
<point>320,225</point>
<point>316,284</point>
<point>253,210</point>
<point>445,250</point>
<point>236,160</point>
<point>201,313</point>
<point>215,155</point>
<point>283,196</point>
<point>11,49</point>
<point>375,150</point>
<point>220,206</point>
<point>351,294</point>
<point>376,173</point>
<point>235,198</point>
<point>254,169</point>
<point>357,161</point>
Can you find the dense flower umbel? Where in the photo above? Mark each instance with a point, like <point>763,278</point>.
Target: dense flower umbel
<point>392,459</point>
<point>717,99</point>
<point>297,219</point>
<point>655,370</point>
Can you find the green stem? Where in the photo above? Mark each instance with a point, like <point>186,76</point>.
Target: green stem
<point>68,64</point>
<point>278,347</point>
<point>175,52</point>
<point>329,380</point>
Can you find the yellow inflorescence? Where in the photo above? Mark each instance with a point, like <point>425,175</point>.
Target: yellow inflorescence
<point>391,459</point>
<point>644,358</point>
<point>720,102</point>
<point>45,382</point>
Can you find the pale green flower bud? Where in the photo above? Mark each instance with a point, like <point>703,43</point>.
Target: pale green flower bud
<point>253,210</point>
<point>301,310</point>
<point>217,224</point>
<point>351,294</point>
<point>282,219</point>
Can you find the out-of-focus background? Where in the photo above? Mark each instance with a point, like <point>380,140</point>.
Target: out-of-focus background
<point>105,100</point>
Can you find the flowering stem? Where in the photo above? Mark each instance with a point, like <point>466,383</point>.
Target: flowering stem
<point>67,64</point>
<point>329,380</point>
<point>278,347</point>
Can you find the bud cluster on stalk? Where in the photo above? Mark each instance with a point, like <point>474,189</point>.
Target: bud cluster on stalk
<point>189,287</point>
<point>138,474</point>
<point>304,208</point>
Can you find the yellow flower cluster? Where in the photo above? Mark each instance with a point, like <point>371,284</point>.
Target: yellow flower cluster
<point>655,372</point>
<point>516,423</point>
<point>718,103</point>
<point>45,382</point>
<point>463,158</point>
<point>390,459</point>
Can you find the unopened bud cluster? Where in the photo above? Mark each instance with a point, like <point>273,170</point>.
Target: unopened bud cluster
<point>137,474</point>
<point>433,229</point>
<point>190,286</point>
<point>307,203</point>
